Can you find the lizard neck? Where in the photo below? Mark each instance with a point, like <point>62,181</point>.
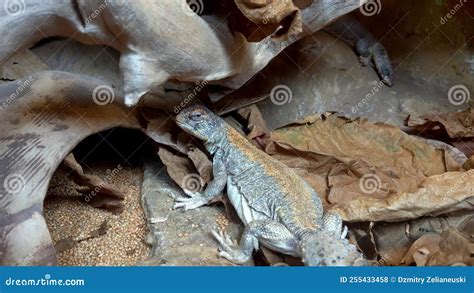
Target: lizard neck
<point>229,138</point>
<point>220,142</point>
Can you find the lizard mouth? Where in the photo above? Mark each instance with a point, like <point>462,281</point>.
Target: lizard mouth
<point>179,120</point>
<point>182,124</point>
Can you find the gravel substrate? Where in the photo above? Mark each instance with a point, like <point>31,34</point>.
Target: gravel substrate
<point>87,236</point>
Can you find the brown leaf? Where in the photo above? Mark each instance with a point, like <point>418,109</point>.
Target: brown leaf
<point>268,16</point>
<point>181,170</point>
<point>448,248</point>
<point>373,172</point>
<point>357,158</point>
<point>202,163</point>
<point>393,240</point>
<point>454,128</point>
<point>259,132</point>
<point>160,128</point>
<point>458,124</point>
<point>439,194</point>
<point>99,193</point>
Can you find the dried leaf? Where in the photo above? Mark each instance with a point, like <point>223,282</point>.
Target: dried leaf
<point>202,163</point>
<point>259,132</point>
<point>454,128</point>
<point>356,158</point>
<point>448,248</point>
<point>458,124</point>
<point>393,240</point>
<point>181,170</point>
<point>439,194</point>
<point>160,128</point>
<point>268,17</point>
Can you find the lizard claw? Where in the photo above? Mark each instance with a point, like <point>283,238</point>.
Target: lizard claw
<point>195,200</point>
<point>382,63</point>
<point>344,233</point>
<point>377,55</point>
<point>225,242</point>
<point>191,193</point>
<point>229,248</point>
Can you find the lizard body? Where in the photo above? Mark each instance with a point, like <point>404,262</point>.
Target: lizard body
<point>279,209</point>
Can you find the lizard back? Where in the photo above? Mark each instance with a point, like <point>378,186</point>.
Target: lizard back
<point>270,187</point>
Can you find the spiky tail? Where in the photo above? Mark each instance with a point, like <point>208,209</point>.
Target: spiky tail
<point>328,246</point>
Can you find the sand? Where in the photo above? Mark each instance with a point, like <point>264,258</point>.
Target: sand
<point>87,236</point>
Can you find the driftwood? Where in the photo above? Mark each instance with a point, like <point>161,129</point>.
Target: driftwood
<point>44,116</point>
<point>158,40</point>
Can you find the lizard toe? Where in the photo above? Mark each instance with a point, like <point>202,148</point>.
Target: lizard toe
<point>182,199</point>
<point>191,194</point>
<point>235,257</point>
<point>382,64</point>
<point>187,205</point>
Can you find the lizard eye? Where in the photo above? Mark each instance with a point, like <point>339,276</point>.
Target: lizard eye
<point>196,116</point>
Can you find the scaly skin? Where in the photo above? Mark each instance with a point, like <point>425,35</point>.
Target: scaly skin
<point>350,31</point>
<point>279,209</point>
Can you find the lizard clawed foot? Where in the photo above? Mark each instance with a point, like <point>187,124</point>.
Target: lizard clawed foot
<point>229,248</point>
<point>365,59</point>
<point>382,63</point>
<point>377,55</point>
<point>195,200</point>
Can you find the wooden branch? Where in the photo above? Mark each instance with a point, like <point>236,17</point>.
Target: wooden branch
<point>158,40</point>
<point>43,117</point>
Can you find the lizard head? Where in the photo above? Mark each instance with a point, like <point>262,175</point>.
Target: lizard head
<point>200,122</point>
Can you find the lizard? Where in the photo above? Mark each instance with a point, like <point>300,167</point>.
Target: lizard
<point>279,209</point>
<point>369,50</point>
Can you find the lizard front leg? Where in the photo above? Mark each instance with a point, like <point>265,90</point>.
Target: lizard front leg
<point>213,189</point>
<point>350,31</point>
